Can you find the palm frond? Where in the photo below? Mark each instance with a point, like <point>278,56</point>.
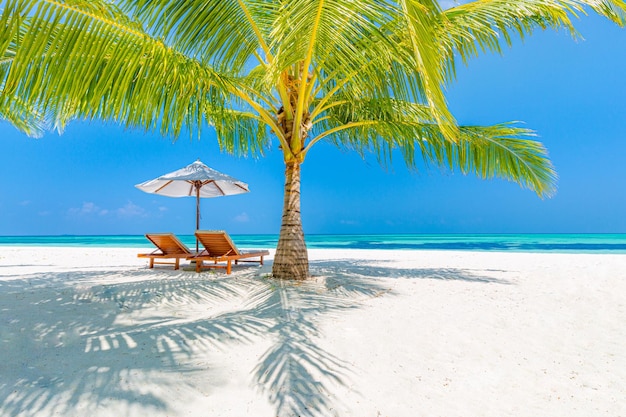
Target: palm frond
<point>382,126</point>
<point>347,40</point>
<point>116,62</point>
<point>24,118</point>
<point>423,40</point>
<point>476,27</point>
<point>14,110</point>
<point>502,151</point>
<point>238,132</point>
<point>219,33</point>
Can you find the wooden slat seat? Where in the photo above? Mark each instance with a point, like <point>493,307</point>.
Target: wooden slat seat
<point>170,250</point>
<point>219,247</point>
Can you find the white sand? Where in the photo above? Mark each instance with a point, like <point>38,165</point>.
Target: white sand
<point>93,332</point>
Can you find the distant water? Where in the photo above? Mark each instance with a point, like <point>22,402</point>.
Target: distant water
<point>576,243</point>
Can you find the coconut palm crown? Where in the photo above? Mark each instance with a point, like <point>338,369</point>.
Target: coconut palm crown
<point>367,76</point>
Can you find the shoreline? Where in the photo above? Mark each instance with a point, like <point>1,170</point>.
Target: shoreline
<point>515,243</point>
<point>87,331</point>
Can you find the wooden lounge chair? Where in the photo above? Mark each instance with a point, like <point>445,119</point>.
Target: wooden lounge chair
<point>218,247</point>
<point>168,247</point>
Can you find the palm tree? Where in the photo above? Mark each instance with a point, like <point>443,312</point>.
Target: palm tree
<point>365,75</point>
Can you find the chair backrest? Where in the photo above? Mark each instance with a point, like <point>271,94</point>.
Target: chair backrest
<point>168,243</point>
<point>217,242</point>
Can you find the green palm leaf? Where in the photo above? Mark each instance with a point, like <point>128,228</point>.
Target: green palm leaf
<point>13,109</point>
<point>420,28</point>
<point>117,64</point>
<point>217,33</point>
<point>382,126</point>
<point>24,118</point>
<point>483,26</point>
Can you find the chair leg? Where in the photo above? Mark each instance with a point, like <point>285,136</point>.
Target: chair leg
<point>198,266</point>
<point>261,260</point>
<point>228,267</point>
<point>151,262</point>
<point>177,264</point>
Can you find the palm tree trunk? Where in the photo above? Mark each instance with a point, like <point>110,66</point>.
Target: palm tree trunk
<point>291,260</point>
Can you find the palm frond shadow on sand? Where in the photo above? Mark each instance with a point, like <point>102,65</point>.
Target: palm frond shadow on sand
<point>295,372</point>
<point>88,356</point>
<point>372,270</point>
<point>115,339</point>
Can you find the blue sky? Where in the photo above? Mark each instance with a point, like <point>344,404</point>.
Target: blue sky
<point>573,93</point>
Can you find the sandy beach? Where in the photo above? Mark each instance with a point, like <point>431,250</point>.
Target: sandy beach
<point>94,332</point>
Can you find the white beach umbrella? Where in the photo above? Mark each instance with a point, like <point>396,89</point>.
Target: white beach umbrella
<point>194,180</point>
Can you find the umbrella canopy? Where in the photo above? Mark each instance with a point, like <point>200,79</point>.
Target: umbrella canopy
<point>194,180</point>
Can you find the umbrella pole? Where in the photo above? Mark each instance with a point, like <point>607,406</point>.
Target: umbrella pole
<point>197,214</point>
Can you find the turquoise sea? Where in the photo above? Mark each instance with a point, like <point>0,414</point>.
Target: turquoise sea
<point>576,243</point>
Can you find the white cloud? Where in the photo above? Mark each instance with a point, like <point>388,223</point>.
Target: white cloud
<point>24,203</point>
<point>131,210</point>
<point>88,208</point>
<point>91,209</point>
<point>242,218</point>
<point>349,222</point>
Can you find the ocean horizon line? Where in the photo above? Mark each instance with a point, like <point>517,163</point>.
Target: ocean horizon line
<point>509,242</point>
<point>337,234</point>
